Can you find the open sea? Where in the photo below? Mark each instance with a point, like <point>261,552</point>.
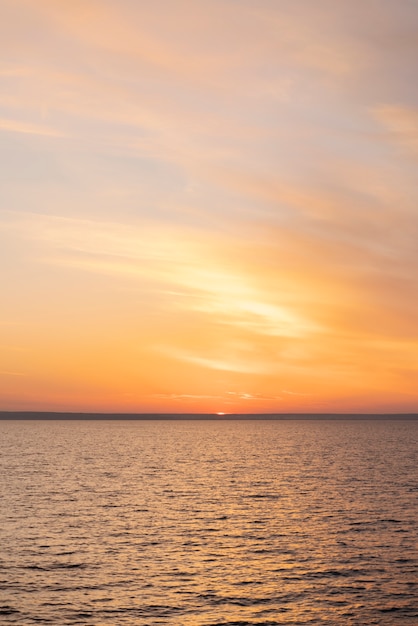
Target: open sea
<point>214,523</point>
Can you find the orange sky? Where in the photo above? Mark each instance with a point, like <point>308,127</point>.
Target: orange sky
<point>209,205</point>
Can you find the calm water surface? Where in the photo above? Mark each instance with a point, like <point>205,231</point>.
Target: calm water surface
<point>208,523</point>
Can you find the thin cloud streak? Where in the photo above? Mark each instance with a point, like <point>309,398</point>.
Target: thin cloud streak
<point>16,126</point>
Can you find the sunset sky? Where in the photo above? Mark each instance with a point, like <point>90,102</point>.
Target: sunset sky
<point>209,205</point>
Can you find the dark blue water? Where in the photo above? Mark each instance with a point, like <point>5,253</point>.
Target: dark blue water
<point>188,522</point>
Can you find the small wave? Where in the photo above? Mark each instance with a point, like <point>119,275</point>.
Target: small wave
<point>83,615</point>
<point>8,610</point>
<point>54,566</point>
<point>244,623</point>
<point>264,496</point>
<point>235,600</point>
<point>148,611</point>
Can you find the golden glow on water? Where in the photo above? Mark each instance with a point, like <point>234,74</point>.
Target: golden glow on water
<point>220,522</point>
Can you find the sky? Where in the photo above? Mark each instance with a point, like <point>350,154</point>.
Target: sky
<point>209,205</point>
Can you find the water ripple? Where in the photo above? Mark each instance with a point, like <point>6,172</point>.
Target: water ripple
<point>208,523</point>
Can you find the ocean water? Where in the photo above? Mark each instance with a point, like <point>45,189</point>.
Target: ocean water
<point>208,523</point>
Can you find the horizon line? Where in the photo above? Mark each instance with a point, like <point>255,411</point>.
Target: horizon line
<point>187,415</point>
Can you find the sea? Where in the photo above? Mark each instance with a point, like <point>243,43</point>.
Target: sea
<point>209,522</point>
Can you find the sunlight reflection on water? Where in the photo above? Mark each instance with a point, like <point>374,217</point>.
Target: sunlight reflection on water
<point>208,523</point>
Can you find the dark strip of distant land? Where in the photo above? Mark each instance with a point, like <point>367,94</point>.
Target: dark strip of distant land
<point>39,415</point>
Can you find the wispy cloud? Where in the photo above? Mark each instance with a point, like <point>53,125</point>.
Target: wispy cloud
<point>171,257</point>
<point>402,124</point>
<point>221,363</point>
<point>7,373</point>
<point>17,126</point>
<point>185,396</point>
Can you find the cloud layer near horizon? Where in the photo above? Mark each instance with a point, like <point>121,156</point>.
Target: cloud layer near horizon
<point>209,205</point>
